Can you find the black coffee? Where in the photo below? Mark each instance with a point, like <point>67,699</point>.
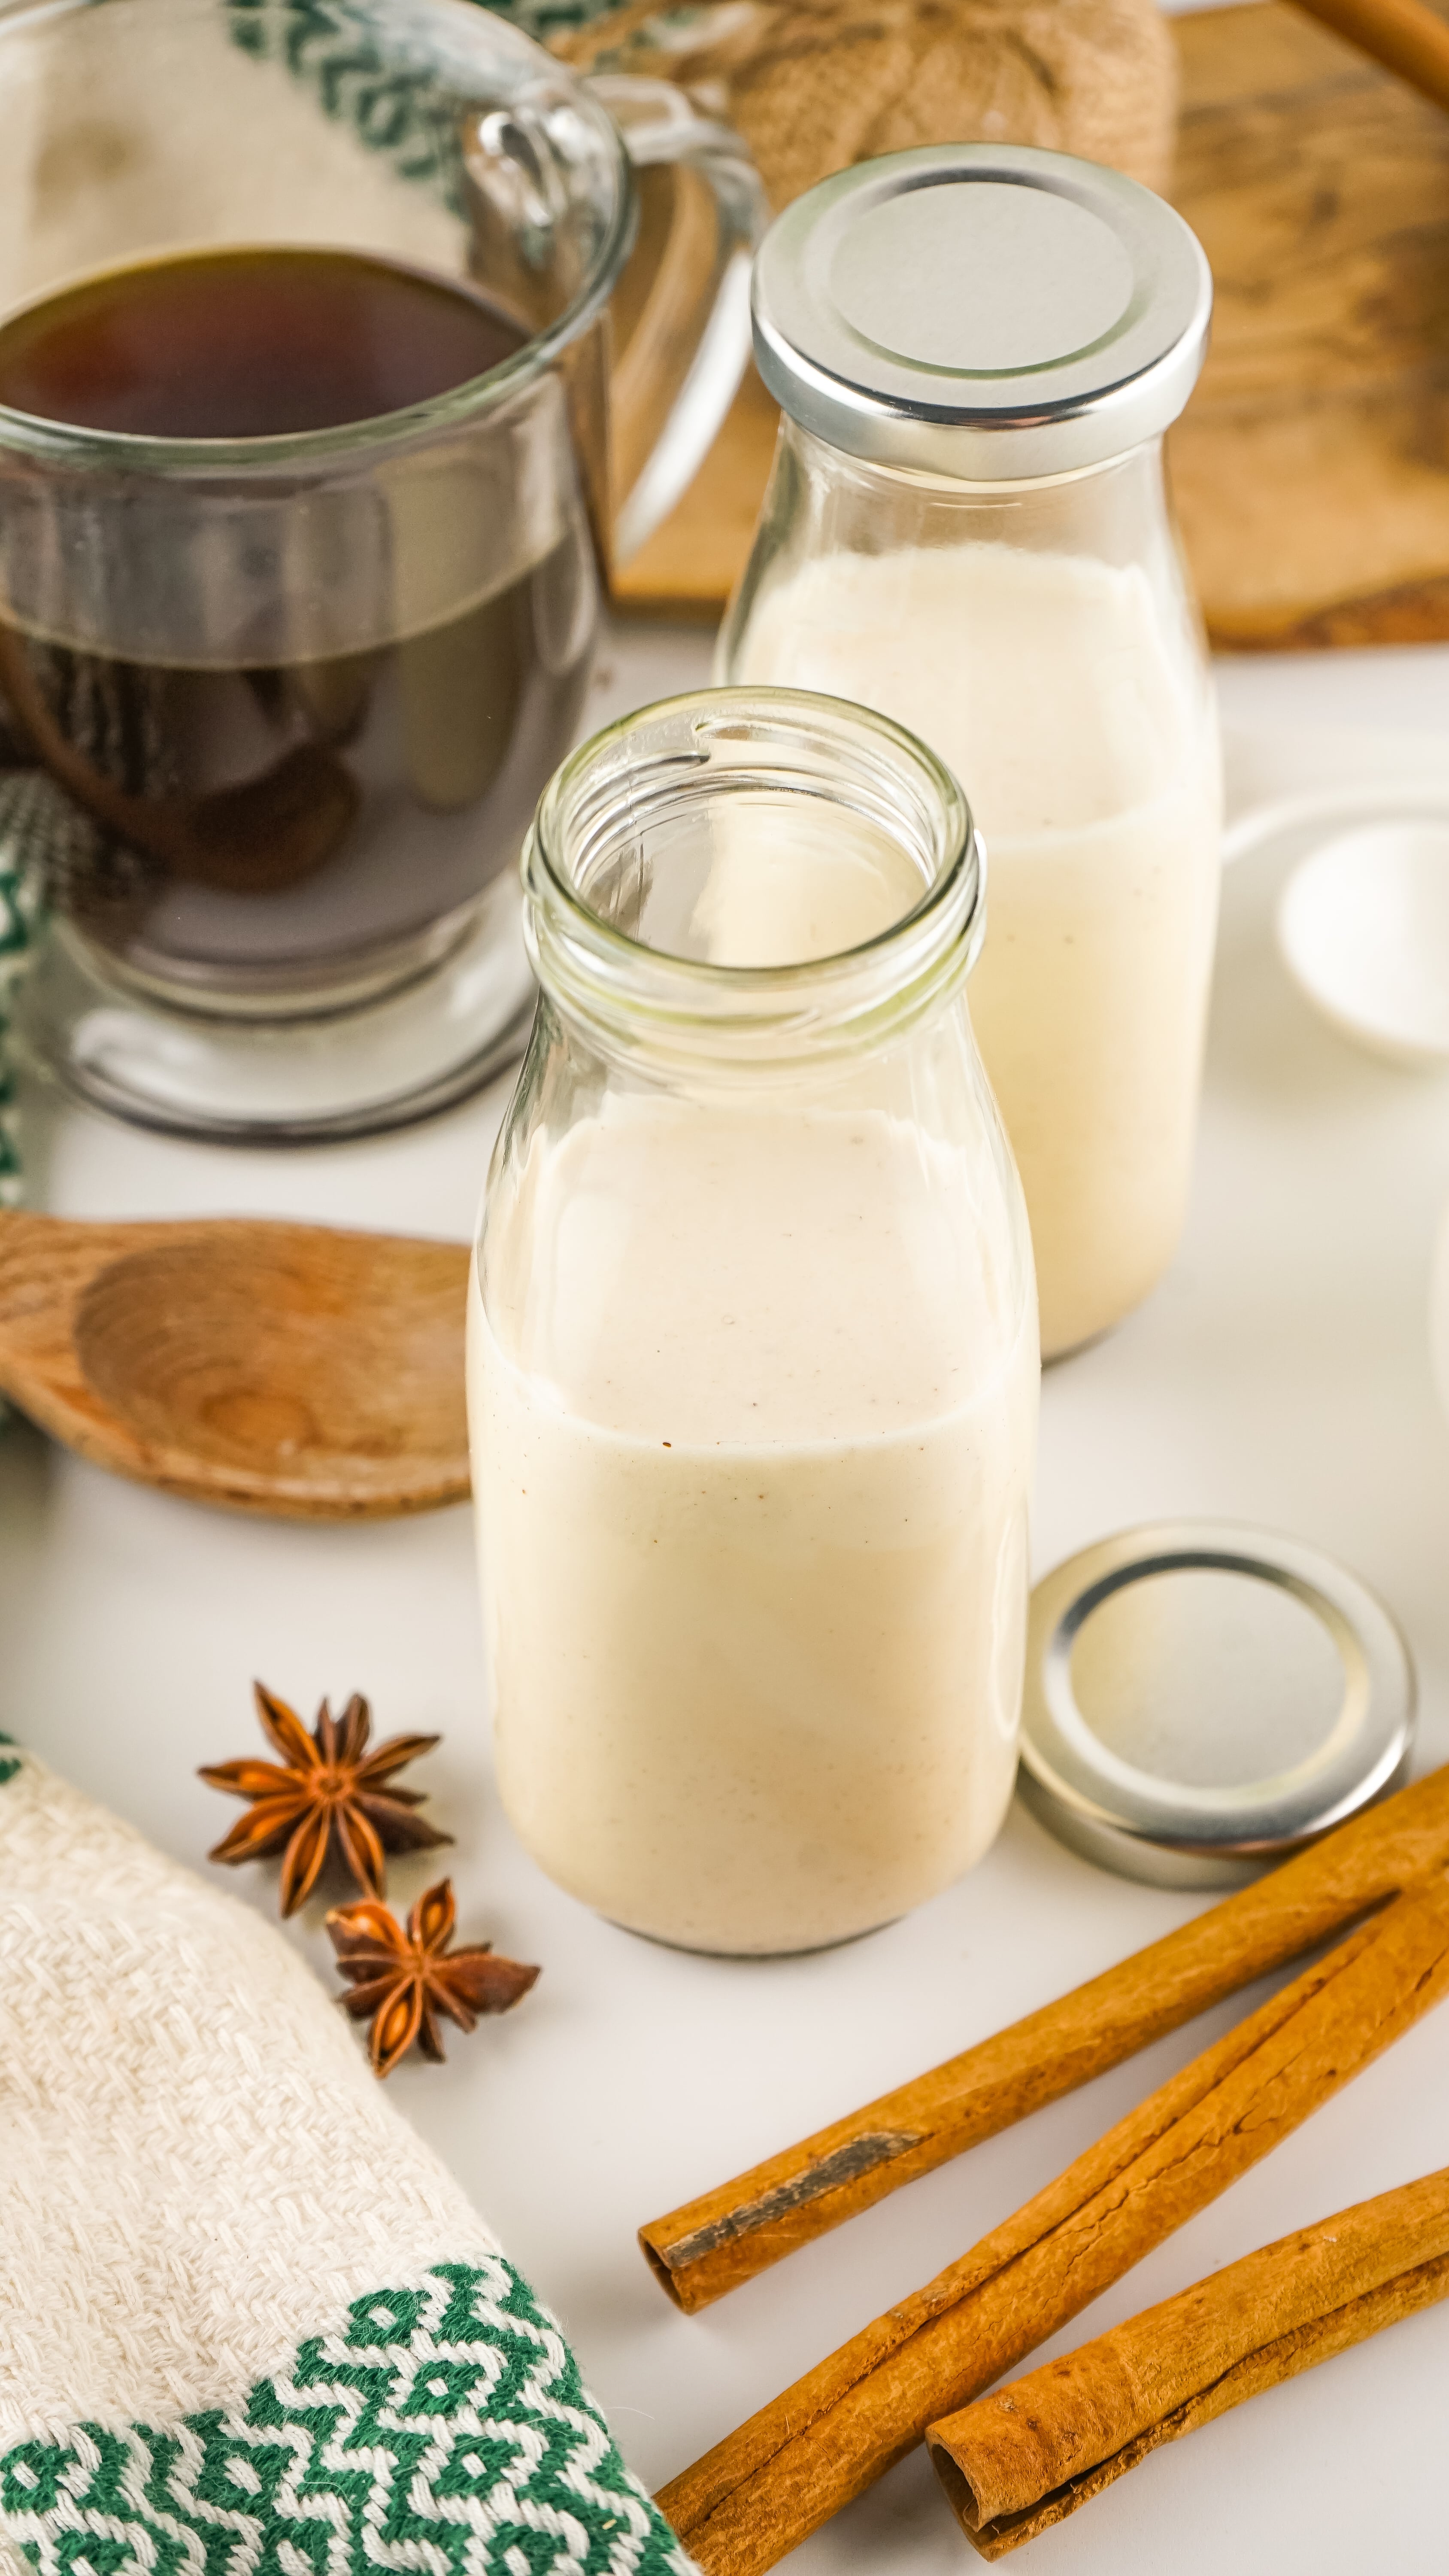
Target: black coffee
<point>278,827</point>
<point>248,344</point>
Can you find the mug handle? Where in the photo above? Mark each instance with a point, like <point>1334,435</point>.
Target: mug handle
<point>681,363</point>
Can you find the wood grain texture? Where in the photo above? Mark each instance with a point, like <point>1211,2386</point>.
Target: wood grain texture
<point>1312,466</point>
<point>766,2487</point>
<point>297,1371</point>
<point>1028,2455</point>
<point>1311,469</point>
<point>729,2234</point>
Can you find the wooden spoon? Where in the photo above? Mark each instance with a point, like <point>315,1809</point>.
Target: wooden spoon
<point>287,1369</point>
<point>1406,36</point>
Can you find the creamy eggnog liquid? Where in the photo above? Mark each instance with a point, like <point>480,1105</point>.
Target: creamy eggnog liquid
<point>752,1431</point>
<point>1079,733</point>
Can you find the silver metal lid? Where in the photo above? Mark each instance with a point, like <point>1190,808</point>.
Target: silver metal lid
<point>982,310</point>
<point>1202,1698</point>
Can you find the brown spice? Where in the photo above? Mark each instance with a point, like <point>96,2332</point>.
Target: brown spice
<point>765,2488</point>
<point>328,1794</point>
<point>401,1980</point>
<point>1028,2455</point>
<point>740,2228</point>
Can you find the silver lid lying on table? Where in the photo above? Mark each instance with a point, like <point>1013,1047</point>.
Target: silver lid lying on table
<point>983,310</point>
<point>1203,1698</point>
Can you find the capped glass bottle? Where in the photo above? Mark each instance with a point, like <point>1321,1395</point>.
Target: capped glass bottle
<point>977,350</point>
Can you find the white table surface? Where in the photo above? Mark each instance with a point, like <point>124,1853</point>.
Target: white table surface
<point>1280,1374</point>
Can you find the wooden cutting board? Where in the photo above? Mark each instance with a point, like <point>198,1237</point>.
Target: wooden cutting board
<point>1312,466</point>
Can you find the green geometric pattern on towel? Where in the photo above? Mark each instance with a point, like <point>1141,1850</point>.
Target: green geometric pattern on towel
<point>20,906</point>
<point>328,44</point>
<point>443,2432</point>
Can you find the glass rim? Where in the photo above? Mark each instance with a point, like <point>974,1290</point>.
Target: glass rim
<point>61,443</point>
<point>948,912</point>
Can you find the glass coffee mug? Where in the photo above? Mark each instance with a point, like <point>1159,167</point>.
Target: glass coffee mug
<point>317,406</point>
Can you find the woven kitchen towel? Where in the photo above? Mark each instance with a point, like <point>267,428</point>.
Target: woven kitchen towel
<point>248,2324</point>
<point>28,819</point>
<point>813,85</point>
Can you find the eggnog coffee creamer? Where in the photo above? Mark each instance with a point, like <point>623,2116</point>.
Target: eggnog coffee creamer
<point>1088,751</point>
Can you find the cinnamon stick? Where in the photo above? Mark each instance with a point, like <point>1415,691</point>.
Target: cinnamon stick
<point>794,2464</point>
<point>1028,2455</point>
<point>729,2234</point>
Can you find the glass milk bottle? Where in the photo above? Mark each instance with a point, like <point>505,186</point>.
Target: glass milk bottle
<point>977,350</point>
<point>753,1352</point>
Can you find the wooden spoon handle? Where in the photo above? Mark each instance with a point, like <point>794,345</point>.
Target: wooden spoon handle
<point>1406,36</point>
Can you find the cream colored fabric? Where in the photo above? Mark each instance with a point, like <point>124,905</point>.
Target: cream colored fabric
<point>247,2320</point>
<point>115,147</point>
<point>197,2161</point>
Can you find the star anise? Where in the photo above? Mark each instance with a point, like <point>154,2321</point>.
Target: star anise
<point>401,1980</point>
<point>329,1793</point>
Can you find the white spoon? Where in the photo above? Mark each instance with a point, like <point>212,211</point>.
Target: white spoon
<point>1363,926</point>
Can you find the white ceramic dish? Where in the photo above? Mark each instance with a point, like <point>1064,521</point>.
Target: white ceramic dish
<point>1363,926</point>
